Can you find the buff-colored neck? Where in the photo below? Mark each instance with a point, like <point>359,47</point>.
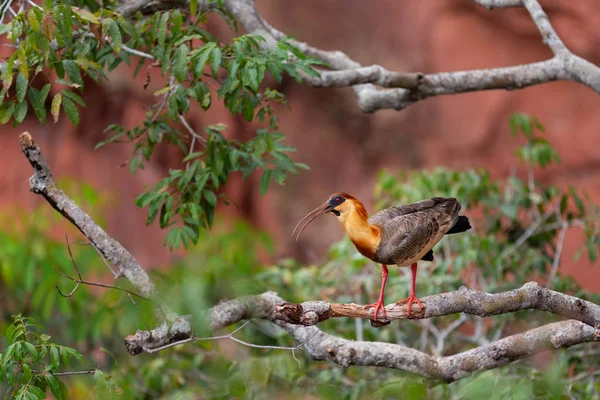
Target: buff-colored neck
<point>365,237</point>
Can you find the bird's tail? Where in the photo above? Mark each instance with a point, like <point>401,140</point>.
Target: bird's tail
<point>462,224</point>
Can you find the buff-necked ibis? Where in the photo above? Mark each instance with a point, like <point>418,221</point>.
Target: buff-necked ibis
<point>400,235</point>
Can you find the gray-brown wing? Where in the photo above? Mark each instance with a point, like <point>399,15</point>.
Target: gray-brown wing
<point>404,246</point>
<point>408,229</point>
<point>383,216</point>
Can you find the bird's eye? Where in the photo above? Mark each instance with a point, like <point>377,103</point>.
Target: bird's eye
<point>338,199</point>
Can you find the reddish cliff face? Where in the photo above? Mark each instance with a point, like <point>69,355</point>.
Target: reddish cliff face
<point>344,147</point>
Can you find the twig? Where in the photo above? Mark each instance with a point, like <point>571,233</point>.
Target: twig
<point>116,274</point>
<point>137,52</point>
<point>88,283</point>
<point>193,133</point>
<point>232,337</point>
<point>89,371</point>
<point>80,279</point>
<point>556,261</point>
<point>529,232</point>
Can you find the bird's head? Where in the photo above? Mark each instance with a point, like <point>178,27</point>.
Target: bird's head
<point>339,204</point>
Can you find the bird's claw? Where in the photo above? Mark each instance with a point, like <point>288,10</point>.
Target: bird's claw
<point>410,300</point>
<point>378,306</point>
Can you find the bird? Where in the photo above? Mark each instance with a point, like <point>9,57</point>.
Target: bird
<point>399,235</point>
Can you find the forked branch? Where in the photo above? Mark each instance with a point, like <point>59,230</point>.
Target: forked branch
<point>323,346</point>
<point>405,88</point>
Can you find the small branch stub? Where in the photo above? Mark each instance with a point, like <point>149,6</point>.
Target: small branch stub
<point>42,178</point>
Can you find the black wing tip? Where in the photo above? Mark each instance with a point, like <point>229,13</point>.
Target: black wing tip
<point>462,224</point>
<point>428,256</point>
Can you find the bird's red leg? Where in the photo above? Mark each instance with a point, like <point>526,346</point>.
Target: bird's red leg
<point>379,304</point>
<point>412,298</point>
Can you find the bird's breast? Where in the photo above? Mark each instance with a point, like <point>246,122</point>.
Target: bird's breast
<point>366,242</point>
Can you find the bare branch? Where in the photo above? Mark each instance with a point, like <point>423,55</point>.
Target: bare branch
<point>417,86</point>
<point>549,36</point>
<point>412,86</point>
<point>491,4</point>
<point>444,369</point>
<point>531,296</point>
<point>42,182</point>
<point>224,314</point>
<point>88,372</point>
<point>558,252</point>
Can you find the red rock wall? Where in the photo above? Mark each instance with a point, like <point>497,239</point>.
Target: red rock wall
<point>344,147</point>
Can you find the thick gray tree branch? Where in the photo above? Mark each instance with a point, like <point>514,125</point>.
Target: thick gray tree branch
<point>42,182</point>
<point>323,346</point>
<point>402,89</point>
<point>416,86</point>
<point>531,296</point>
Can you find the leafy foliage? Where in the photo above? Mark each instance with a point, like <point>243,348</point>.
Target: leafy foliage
<point>63,48</point>
<point>502,211</point>
<point>30,363</point>
<point>190,193</point>
<point>70,44</point>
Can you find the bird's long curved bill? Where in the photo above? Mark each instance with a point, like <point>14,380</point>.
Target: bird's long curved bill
<point>322,209</point>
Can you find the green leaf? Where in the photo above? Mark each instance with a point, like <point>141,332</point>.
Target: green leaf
<point>31,350</point>
<point>291,70</point>
<point>180,61</point>
<point>85,15</point>
<point>6,111</point>
<point>162,28</point>
<point>7,72</point>
<point>20,112</point>
<point>36,392</point>
<point>54,358</point>
<point>216,60</point>
<point>252,78</point>
<point>308,70</point>
<point>111,29</point>
<point>22,82</point>
<point>176,22</point>
<point>55,108</point>
<point>592,253</point>
<point>44,93</point>
<point>153,209</point>
<point>74,96</point>
<point>193,7</point>
<point>32,18</point>
<point>71,110</point>
<point>210,197</point>
<point>247,108</point>
<point>73,73</point>
<point>204,55</point>
<point>35,97</point>
<point>100,381</point>
<point>54,386</point>
<point>285,45</point>
<point>264,181</point>
<point>26,371</point>
<point>128,28</point>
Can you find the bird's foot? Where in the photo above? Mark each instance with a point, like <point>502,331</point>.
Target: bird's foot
<point>378,306</point>
<point>410,300</point>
